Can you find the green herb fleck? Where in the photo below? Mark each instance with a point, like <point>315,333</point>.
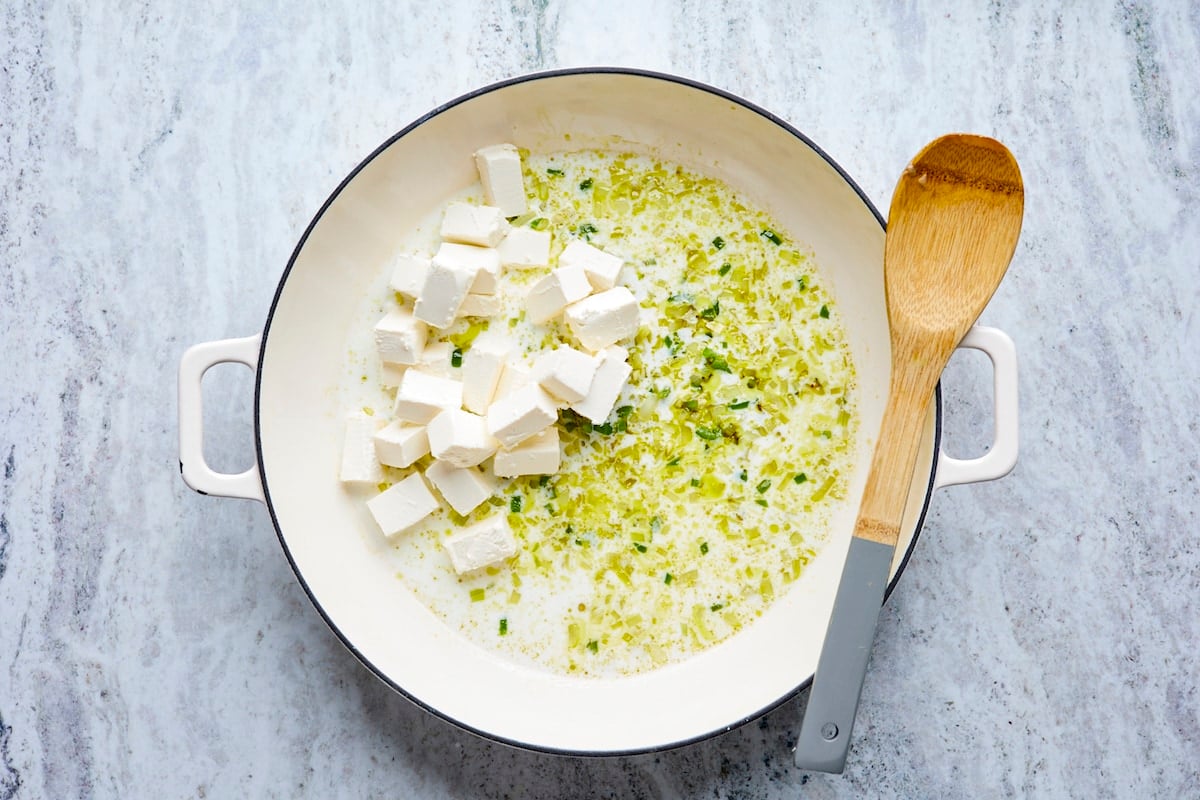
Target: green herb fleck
<point>761,501</point>
<point>715,360</point>
<point>827,434</point>
<point>800,477</point>
<point>514,505</point>
<point>504,626</point>
<point>694,482</point>
<point>743,475</point>
<point>771,236</point>
<point>674,462</point>
<point>558,173</point>
<point>476,595</point>
<point>716,606</point>
<point>641,548</point>
<point>542,481</point>
<point>586,184</point>
<point>586,230</point>
<point>594,646</point>
<point>724,270</point>
<point>621,425</point>
<point>738,405</point>
<point>718,243</point>
<point>668,578</point>
<point>664,392</point>
<point>824,312</point>
<point>624,411</point>
<point>605,429</point>
<point>456,357</point>
<point>691,405</point>
<point>801,284</point>
<point>704,548</point>
<point>539,223</point>
<point>763,485</point>
<point>712,311</point>
<point>708,433</point>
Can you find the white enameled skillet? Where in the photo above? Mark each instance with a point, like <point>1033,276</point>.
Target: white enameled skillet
<point>299,359</point>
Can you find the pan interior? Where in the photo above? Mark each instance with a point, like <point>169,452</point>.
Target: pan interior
<point>328,533</point>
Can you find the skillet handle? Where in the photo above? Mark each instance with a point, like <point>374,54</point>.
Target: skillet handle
<point>196,472</point>
<point>1002,455</point>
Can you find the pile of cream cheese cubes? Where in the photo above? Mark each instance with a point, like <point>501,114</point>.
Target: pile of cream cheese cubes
<point>499,406</point>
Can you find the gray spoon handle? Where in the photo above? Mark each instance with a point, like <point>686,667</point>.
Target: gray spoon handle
<point>833,700</point>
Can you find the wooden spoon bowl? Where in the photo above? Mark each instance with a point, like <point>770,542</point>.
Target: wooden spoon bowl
<point>952,230</point>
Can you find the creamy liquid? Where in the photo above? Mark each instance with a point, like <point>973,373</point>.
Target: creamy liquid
<point>707,491</point>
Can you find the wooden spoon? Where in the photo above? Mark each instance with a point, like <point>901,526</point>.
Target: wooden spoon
<point>952,229</point>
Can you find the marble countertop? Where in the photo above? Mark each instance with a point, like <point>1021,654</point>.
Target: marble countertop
<point>158,163</point>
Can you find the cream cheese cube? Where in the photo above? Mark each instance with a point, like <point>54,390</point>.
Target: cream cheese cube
<point>359,464</point>
<point>435,360</point>
<point>601,268</point>
<point>604,318</point>
<point>452,272</point>
<point>521,414</point>
<point>403,505</point>
<point>537,455</point>
<point>611,375</point>
<point>487,280</point>
<point>420,396</point>
<point>401,444</point>
<point>525,247</point>
<point>479,305</point>
<point>400,337</point>
<point>482,366</point>
<point>483,544</point>
<point>565,373</point>
<point>513,377</point>
<point>499,168</point>
<point>460,438</point>
<point>390,374</point>
<point>408,276</point>
<point>549,296</point>
<point>464,223</point>
<point>463,489</point>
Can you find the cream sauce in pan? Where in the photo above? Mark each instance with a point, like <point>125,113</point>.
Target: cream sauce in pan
<point>677,521</point>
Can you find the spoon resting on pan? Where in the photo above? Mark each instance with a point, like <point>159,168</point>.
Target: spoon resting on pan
<point>952,230</point>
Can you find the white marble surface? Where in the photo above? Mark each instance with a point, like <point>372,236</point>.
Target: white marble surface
<point>158,163</point>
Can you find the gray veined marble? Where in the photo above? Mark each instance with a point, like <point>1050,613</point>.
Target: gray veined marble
<point>158,163</point>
